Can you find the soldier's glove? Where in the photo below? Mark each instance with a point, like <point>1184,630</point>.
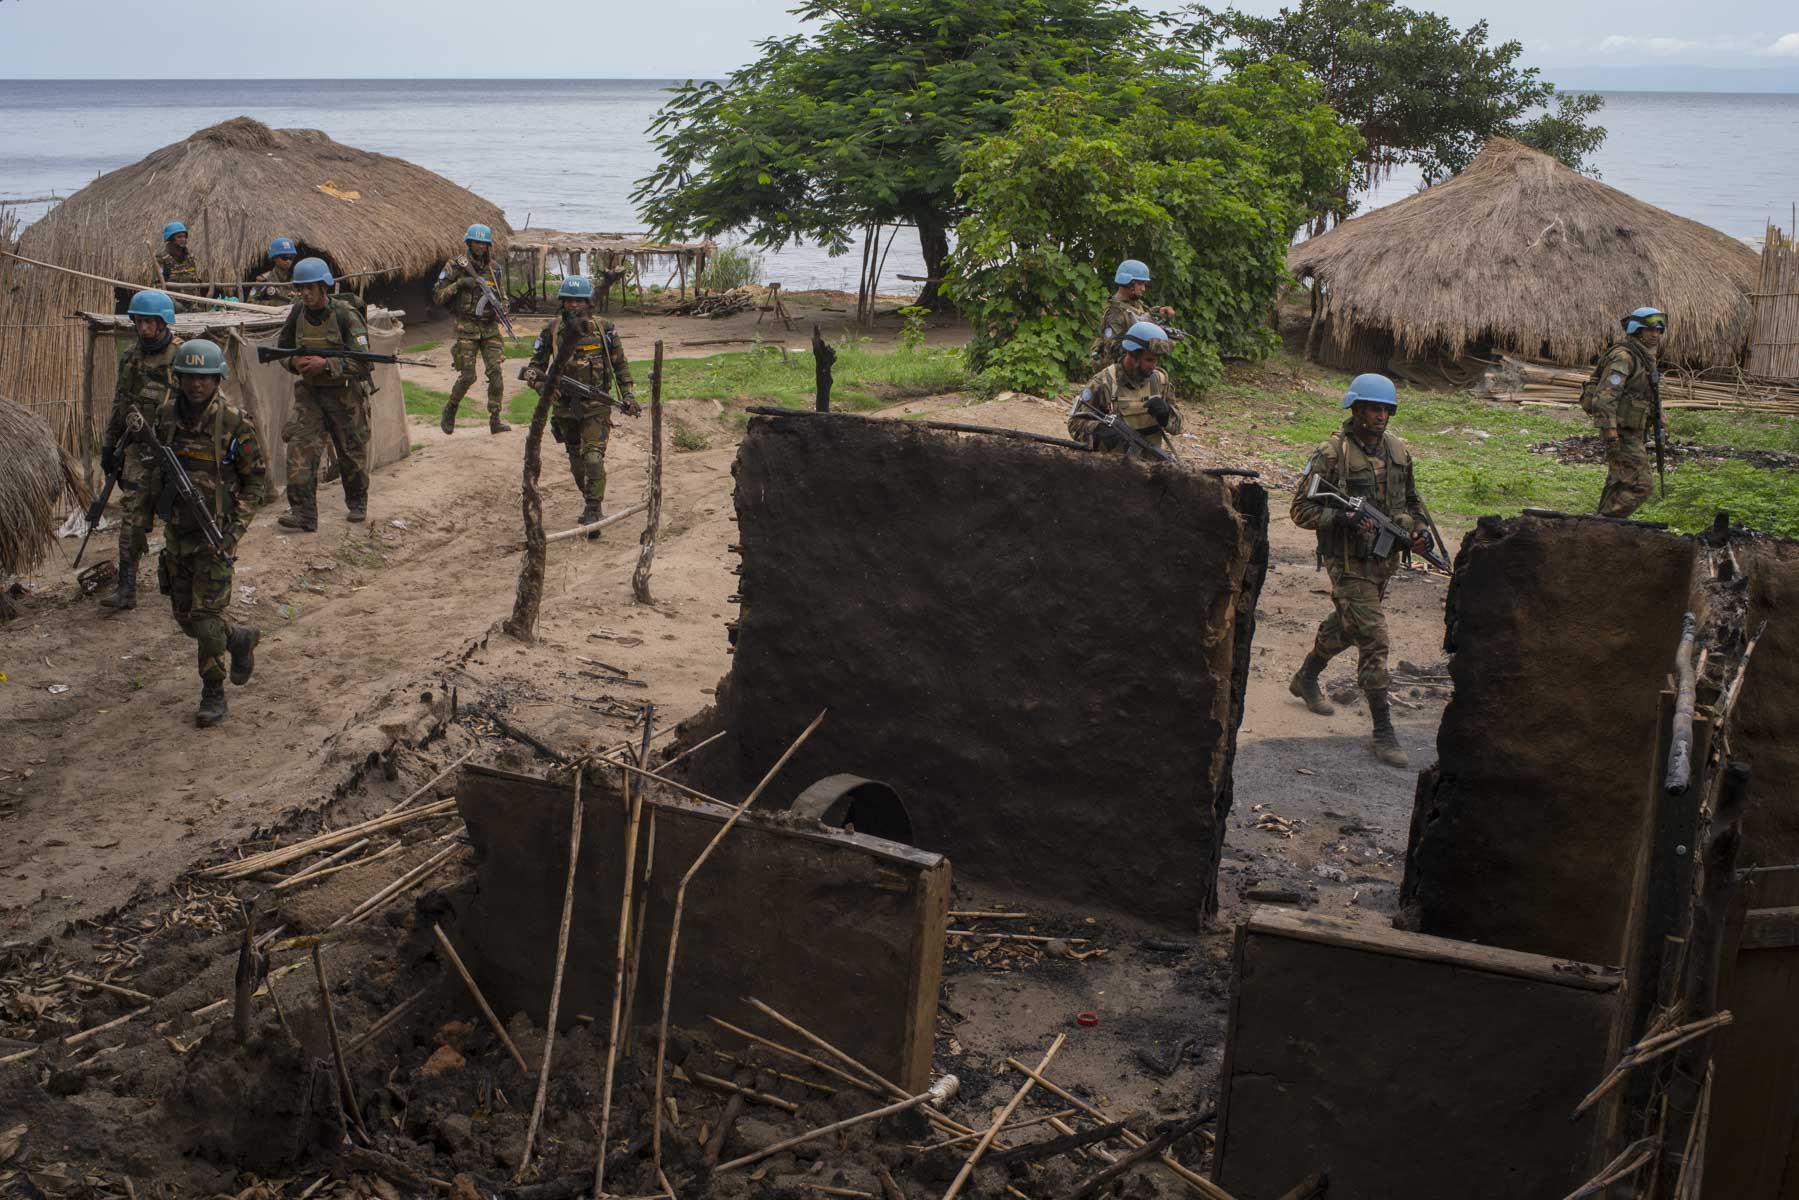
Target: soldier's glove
<point>1160,410</point>
<point>1105,437</point>
<point>109,460</point>
<point>630,407</point>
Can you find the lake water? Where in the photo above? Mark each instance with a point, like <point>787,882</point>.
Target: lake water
<point>567,153</point>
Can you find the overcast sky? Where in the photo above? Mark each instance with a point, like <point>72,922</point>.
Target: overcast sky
<point>236,39</point>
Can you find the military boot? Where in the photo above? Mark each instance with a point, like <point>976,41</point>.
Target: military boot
<point>357,508</point>
<point>1305,686</point>
<point>212,703</point>
<point>295,521</point>
<point>1386,742</point>
<point>589,514</point>
<point>495,425</point>
<point>124,596</point>
<point>241,641</point>
<point>447,422</point>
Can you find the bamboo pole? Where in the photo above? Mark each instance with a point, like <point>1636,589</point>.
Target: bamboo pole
<point>562,931</point>
<point>431,782</point>
<point>406,882</point>
<point>138,287</point>
<point>300,876</point>
<point>861,1084</point>
<point>939,1094</point>
<point>590,530</point>
<point>394,1014</point>
<point>674,932</point>
<point>474,990</point>
<point>115,989</point>
<point>634,799</point>
<point>725,1085</point>
<point>980,1147</point>
<point>346,1088</point>
<point>282,855</point>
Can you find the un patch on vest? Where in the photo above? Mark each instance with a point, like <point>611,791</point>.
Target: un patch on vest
<point>1615,379</point>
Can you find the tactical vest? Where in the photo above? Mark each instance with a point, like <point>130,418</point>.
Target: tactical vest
<point>1386,481</point>
<point>1636,401</point>
<point>464,301</point>
<point>145,380</point>
<point>207,452</point>
<point>590,362</point>
<point>272,285</point>
<point>1131,402</point>
<point>326,335</point>
<point>185,271</point>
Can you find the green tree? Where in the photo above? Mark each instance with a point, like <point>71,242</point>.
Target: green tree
<point>867,119</point>
<point>1206,180</point>
<point>1418,89</point>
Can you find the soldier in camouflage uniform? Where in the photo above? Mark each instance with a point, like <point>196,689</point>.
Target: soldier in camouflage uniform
<point>144,383</point>
<point>583,425</point>
<point>216,444</point>
<point>177,270</point>
<point>1123,310</point>
<point>478,331</point>
<point>1623,396</point>
<point>1135,389</point>
<point>1361,460</point>
<point>274,286</point>
<point>331,399</point>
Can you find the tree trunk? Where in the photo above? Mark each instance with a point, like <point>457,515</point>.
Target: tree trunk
<point>933,242</point>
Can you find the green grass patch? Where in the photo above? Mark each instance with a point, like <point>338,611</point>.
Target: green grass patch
<point>422,347</point>
<point>865,379</point>
<point>1474,456</point>
<point>422,401</point>
<point>520,347</point>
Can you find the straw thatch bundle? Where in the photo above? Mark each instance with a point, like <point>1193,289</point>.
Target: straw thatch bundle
<point>1520,253</point>
<point>239,183</point>
<point>35,480</point>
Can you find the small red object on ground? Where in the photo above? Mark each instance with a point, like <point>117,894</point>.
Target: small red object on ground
<point>1088,1019</point>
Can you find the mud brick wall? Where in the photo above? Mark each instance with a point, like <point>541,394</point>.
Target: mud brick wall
<point>1044,650</point>
<point>842,933</point>
<point>1531,829</point>
<point>1408,1066</point>
<point>1765,727</point>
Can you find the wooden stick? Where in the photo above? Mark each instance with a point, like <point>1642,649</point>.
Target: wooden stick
<point>613,519</point>
<point>1005,1115</point>
<point>304,873</point>
<point>646,555</point>
<point>345,1087</point>
<point>863,1084</point>
<point>697,746</point>
<point>432,782</point>
<point>394,1014</point>
<point>549,1035</point>
<point>115,989</point>
<point>1309,1188</point>
<point>633,972</point>
<point>282,855</point>
<point>244,983</point>
<point>826,1088</point>
<point>1013,937</point>
<point>480,1000</point>
<point>1629,1161</point>
<point>1148,1149</point>
<point>75,1039</point>
<point>990,916</point>
<point>387,851</point>
<point>961,1138</point>
<point>186,297</point>
<point>1054,1146</point>
<point>715,1145</point>
<point>679,787</point>
<point>725,1085</point>
<point>404,883</point>
<point>939,1094</point>
<point>674,928</point>
<point>621,955</point>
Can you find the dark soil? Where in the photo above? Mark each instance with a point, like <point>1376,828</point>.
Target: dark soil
<point>1590,448</point>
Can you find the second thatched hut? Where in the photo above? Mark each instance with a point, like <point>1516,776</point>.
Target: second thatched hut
<point>1520,254</point>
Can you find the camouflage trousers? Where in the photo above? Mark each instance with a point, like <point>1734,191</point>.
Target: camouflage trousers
<point>1357,593</point>
<point>584,437</point>
<point>1629,480</point>
<point>198,584</point>
<point>341,415</point>
<point>135,517</point>
<point>476,340</point>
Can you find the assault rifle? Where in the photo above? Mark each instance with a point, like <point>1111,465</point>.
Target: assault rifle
<point>574,387</point>
<point>1131,436</point>
<point>490,298</point>
<point>1386,533</point>
<point>1661,429</point>
<point>268,354</point>
<point>98,507</point>
<point>176,474</point>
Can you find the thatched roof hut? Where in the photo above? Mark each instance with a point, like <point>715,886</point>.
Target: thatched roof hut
<point>239,183</point>
<point>1520,253</point>
<point>36,480</point>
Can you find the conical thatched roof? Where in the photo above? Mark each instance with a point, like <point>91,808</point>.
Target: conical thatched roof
<point>239,183</point>
<point>1520,250</point>
<point>35,478</point>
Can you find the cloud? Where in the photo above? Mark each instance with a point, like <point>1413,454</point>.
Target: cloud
<point>1785,46</point>
<point>1655,47</point>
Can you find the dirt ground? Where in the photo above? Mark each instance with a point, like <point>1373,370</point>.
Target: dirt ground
<point>109,796</point>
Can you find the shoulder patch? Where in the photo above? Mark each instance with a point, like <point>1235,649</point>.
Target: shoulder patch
<point>1616,379</point>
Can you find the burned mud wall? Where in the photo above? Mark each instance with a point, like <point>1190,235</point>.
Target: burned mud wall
<point>1408,1066</point>
<point>1043,649</point>
<point>1530,830</point>
<point>1765,727</point>
<point>841,932</point>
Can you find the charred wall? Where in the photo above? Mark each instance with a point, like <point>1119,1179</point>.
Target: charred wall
<point>1765,727</point>
<point>1043,649</point>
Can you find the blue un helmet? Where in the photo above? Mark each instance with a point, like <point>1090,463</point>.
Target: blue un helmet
<point>171,229</point>
<point>1646,318</point>
<point>575,287</point>
<point>478,233</point>
<point>1373,389</point>
<point>1142,336</point>
<point>152,303</point>
<point>200,357</point>
<point>280,247</point>
<point>312,270</point>
<point>1131,271</point>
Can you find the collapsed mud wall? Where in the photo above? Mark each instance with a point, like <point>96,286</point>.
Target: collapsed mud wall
<point>1044,650</point>
<point>1765,727</point>
<point>1531,829</point>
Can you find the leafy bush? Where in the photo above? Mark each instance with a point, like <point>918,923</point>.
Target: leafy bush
<point>1205,180</point>
<point>731,267</point>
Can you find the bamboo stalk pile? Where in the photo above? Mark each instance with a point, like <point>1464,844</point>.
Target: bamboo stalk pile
<point>1774,332</point>
<point>1714,388</point>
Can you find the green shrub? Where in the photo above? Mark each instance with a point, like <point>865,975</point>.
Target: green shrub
<point>731,267</point>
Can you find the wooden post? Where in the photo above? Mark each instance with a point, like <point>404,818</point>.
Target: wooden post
<point>634,801</point>
<point>640,578</point>
<point>562,932</point>
<point>1312,329</point>
<point>90,463</point>
<point>823,357</point>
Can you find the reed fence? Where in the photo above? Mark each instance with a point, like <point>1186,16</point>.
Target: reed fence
<point>1774,331</point>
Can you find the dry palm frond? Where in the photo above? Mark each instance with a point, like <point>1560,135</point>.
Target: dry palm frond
<point>35,479</point>
<point>1522,252</point>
